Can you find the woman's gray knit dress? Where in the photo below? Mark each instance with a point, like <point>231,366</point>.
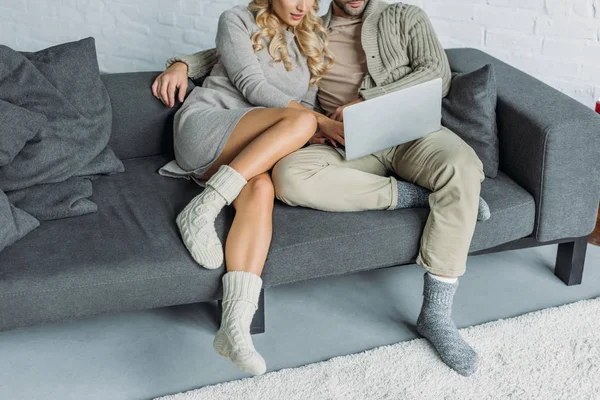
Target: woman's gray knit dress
<point>240,81</point>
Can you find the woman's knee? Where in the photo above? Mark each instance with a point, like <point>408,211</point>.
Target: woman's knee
<point>261,187</point>
<point>304,123</point>
<point>257,194</point>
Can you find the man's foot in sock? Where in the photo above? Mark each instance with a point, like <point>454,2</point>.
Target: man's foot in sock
<point>483,213</point>
<point>435,324</point>
<point>197,226</point>
<point>411,195</point>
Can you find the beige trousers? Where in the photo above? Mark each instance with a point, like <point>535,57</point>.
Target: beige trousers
<point>318,177</point>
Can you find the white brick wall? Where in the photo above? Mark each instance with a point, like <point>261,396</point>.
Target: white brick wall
<point>557,41</point>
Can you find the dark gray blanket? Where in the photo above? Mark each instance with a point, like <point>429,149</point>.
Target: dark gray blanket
<point>55,123</point>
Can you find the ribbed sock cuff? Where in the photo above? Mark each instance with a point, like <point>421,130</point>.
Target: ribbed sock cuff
<point>442,278</point>
<point>241,285</point>
<point>227,182</point>
<point>437,291</point>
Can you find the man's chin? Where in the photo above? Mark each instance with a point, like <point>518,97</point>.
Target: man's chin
<point>347,9</point>
<point>354,11</point>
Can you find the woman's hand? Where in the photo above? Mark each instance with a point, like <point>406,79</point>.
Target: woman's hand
<point>338,114</point>
<point>333,130</point>
<point>165,84</point>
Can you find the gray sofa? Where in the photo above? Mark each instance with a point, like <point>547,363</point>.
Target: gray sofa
<point>129,255</point>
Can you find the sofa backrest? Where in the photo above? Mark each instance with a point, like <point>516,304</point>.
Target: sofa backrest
<point>142,124</point>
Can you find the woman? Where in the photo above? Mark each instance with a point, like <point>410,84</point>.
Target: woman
<point>230,132</point>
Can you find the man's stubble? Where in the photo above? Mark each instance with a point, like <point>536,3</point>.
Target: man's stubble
<point>350,11</point>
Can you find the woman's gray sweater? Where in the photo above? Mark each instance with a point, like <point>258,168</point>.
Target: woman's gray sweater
<point>240,81</point>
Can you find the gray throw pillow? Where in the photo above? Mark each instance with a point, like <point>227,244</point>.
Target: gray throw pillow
<point>62,84</point>
<point>29,125</point>
<point>469,110</point>
<point>56,124</point>
<point>16,223</point>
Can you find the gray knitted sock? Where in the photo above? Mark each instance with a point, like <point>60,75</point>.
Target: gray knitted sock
<point>483,213</point>
<point>435,324</point>
<point>411,195</point>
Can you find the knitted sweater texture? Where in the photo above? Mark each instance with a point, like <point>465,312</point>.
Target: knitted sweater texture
<point>400,43</point>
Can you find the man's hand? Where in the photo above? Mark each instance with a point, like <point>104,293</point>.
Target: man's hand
<point>319,138</point>
<point>338,114</point>
<point>165,84</point>
<point>333,130</point>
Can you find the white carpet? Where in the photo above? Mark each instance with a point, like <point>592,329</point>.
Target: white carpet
<point>549,354</point>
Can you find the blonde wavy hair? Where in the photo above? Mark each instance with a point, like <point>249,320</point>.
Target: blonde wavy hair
<point>310,35</point>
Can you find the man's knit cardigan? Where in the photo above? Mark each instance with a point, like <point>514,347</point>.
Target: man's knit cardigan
<point>399,41</point>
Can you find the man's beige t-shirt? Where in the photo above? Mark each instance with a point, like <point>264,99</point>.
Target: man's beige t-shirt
<point>339,85</point>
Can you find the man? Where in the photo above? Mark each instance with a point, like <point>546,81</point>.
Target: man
<point>380,48</point>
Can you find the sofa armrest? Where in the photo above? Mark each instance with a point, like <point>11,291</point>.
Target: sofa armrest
<point>549,144</point>
<point>142,124</point>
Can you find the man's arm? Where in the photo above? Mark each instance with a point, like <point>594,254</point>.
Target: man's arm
<point>199,64</point>
<point>427,58</point>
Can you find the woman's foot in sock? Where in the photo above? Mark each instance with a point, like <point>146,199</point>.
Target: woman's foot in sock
<point>435,324</point>
<point>233,340</point>
<point>197,227</point>
<point>241,290</point>
<point>197,220</point>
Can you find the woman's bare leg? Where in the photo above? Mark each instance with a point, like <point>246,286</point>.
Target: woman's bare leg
<point>245,254</point>
<point>262,137</point>
<point>250,234</point>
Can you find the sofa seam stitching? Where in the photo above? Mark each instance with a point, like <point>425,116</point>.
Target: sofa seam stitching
<point>92,285</point>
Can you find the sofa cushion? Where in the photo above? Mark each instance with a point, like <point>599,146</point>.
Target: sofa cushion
<point>308,243</point>
<point>129,254</point>
<point>469,110</point>
<point>142,125</point>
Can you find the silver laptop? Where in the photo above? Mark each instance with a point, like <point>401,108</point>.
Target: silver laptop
<point>392,119</point>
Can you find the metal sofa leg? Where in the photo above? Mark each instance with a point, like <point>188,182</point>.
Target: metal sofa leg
<point>569,261</point>
<point>258,321</point>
